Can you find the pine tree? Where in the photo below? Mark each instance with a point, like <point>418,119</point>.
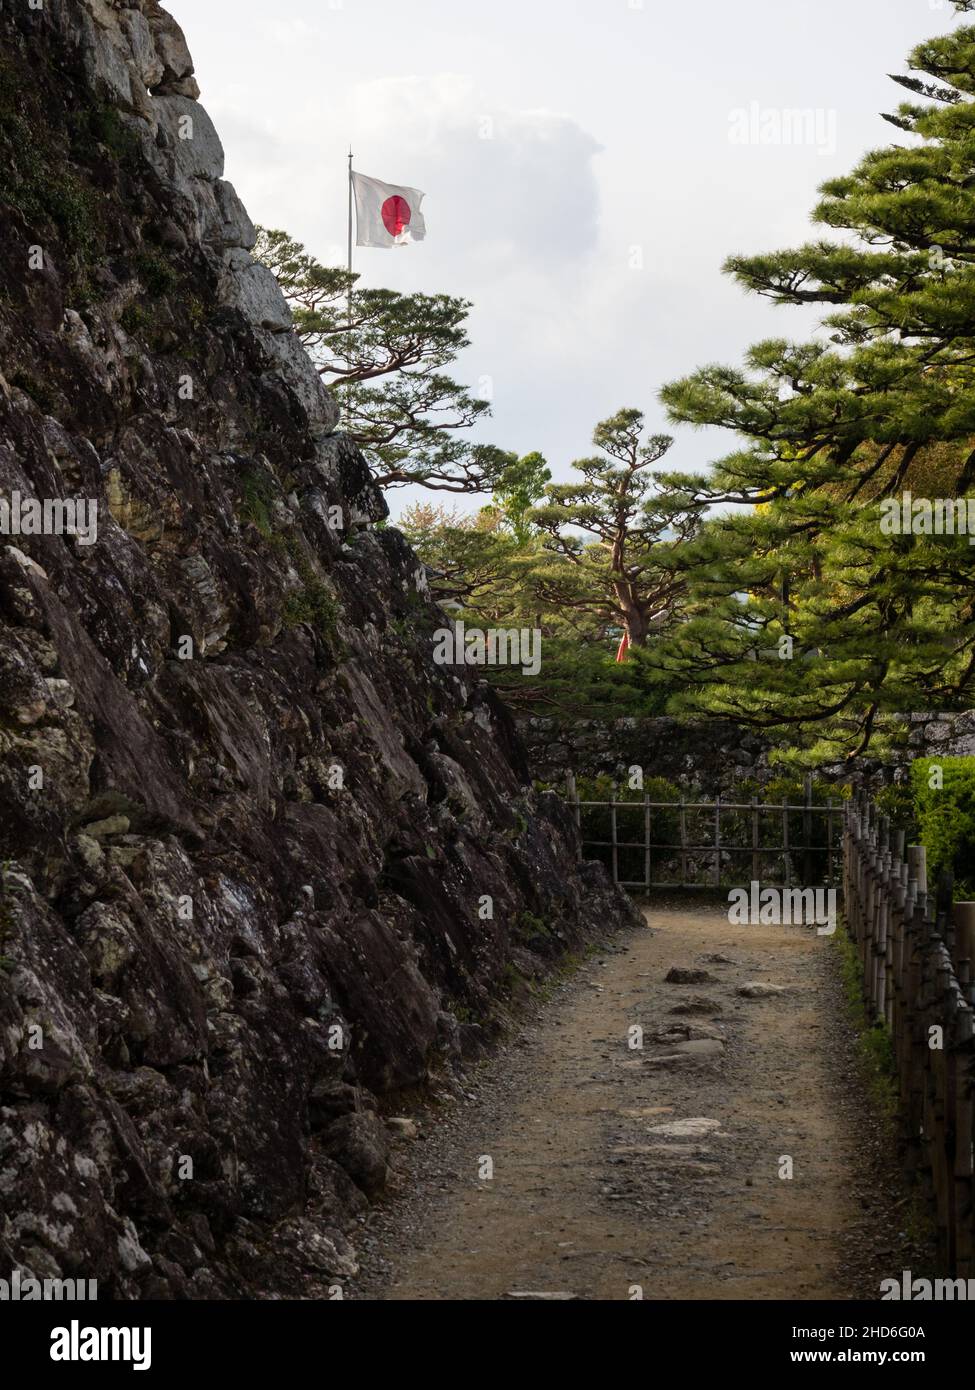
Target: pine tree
<point>386,361</point>
<point>606,537</point>
<point>499,568</point>
<point>807,615</point>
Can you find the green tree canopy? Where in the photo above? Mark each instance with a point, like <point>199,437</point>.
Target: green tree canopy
<point>515,564</point>
<point>606,537</point>
<point>805,614</point>
<point>520,485</point>
<point>388,361</point>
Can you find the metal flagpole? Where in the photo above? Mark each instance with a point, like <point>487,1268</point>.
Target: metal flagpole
<point>350,223</point>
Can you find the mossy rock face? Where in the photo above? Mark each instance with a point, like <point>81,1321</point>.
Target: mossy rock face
<point>258,491</point>
<point>316,605</point>
<point>41,179</point>
<point>156,273</point>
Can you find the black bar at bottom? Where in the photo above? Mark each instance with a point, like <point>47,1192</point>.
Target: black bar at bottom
<point>268,1338</point>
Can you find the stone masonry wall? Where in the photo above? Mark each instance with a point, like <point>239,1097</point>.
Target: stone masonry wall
<point>710,757</point>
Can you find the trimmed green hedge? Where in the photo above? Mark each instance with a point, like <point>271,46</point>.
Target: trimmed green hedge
<point>946,819</point>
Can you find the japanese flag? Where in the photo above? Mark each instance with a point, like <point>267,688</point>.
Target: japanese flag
<point>387,215</point>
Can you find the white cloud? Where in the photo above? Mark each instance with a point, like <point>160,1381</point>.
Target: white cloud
<point>504,186</point>
<point>608,129</point>
<point>288,31</point>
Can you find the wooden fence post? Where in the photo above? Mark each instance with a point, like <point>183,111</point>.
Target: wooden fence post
<point>647,858</point>
<point>756,857</point>
<point>964,922</point>
<point>964,1133</point>
<point>829,841</point>
<point>807,865</point>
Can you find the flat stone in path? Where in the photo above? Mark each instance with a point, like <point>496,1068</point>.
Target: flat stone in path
<point>685,1032</point>
<point>678,975</point>
<point>697,1004</point>
<point>758,989</point>
<point>686,1129</point>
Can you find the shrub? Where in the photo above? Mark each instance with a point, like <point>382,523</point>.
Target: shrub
<point>946,819</point>
<point>257,494</point>
<point>315,605</point>
<point>897,803</point>
<point>155,273</point>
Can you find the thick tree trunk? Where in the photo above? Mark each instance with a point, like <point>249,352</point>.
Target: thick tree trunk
<point>634,618</point>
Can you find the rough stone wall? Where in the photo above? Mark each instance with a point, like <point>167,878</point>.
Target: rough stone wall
<point>249,831</point>
<point>707,756</point>
<point>713,757</point>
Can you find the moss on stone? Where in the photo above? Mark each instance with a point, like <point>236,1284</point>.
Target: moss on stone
<point>40,182</point>
<point>156,274</point>
<point>315,604</point>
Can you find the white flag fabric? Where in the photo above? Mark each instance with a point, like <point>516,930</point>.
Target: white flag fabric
<point>386,214</point>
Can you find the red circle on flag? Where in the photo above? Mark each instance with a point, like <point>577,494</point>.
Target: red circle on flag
<point>397,215</point>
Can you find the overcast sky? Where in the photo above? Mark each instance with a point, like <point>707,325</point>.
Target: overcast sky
<point>585,169</point>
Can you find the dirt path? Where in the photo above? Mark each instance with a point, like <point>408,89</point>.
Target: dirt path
<point>616,1169</point>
